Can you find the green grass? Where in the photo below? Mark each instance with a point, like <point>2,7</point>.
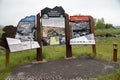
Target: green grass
<point>112,76</point>
<point>107,32</point>
<point>104,52</point>
<point>16,59</point>
<point>105,47</point>
<point>54,52</point>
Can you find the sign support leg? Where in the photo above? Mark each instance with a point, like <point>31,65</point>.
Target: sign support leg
<point>39,50</point>
<point>68,46</point>
<point>94,49</point>
<point>7,56</point>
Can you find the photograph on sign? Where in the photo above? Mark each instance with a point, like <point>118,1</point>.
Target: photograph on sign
<point>53,26</point>
<point>79,28</point>
<point>80,31</point>
<point>26,29</point>
<point>25,35</point>
<point>53,31</point>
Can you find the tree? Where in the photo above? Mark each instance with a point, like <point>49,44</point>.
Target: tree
<point>108,26</point>
<point>100,24</point>
<point>95,21</point>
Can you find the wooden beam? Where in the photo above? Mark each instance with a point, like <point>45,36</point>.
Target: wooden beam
<point>39,50</point>
<point>67,31</point>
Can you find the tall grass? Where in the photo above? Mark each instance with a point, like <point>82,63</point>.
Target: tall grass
<point>107,32</point>
<point>54,52</point>
<point>105,47</point>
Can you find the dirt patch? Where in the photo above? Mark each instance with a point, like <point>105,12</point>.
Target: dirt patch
<point>70,69</point>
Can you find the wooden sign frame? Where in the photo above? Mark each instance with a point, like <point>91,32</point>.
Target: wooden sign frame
<point>91,25</point>
<point>39,50</point>
<point>67,32</point>
<point>92,31</point>
<point>68,46</point>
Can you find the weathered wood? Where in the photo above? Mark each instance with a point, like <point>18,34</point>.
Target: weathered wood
<point>7,56</point>
<point>92,31</point>
<point>9,31</point>
<point>67,30</point>
<point>115,51</point>
<point>39,50</point>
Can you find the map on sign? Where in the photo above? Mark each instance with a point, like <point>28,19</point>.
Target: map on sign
<point>81,30</point>
<point>53,26</point>
<point>25,35</point>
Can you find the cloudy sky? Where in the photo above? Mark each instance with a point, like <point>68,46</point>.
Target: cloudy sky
<point>11,11</point>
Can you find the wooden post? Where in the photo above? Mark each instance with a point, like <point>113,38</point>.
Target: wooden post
<point>94,49</point>
<point>7,56</point>
<point>67,31</point>
<point>115,49</point>
<point>92,31</point>
<point>39,50</point>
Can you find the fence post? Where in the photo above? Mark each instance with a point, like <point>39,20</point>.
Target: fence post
<point>115,49</point>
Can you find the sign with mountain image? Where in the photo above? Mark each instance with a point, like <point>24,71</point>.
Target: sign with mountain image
<point>81,30</point>
<point>24,38</point>
<point>53,26</point>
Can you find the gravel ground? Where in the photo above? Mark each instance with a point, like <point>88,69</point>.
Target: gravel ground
<point>65,69</point>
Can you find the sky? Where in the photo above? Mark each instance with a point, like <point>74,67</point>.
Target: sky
<point>12,11</point>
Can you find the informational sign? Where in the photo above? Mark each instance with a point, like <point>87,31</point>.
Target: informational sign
<point>25,35</point>
<point>55,12</point>
<point>53,26</point>
<point>81,30</point>
<point>18,45</point>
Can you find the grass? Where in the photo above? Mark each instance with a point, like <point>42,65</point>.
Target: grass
<point>1,33</point>
<point>107,32</point>
<point>104,52</point>
<point>104,48</point>
<point>54,52</point>
<point>112,76</point>
<point>16,59</point>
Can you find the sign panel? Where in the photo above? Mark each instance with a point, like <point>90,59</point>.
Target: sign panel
<point>53,26</point>
<point>81,30</point>
<point>55,12</point>
<point>18,45</point>
<point>25,35</point>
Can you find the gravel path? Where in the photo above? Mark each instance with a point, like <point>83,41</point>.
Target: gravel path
<point>65,69</point>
